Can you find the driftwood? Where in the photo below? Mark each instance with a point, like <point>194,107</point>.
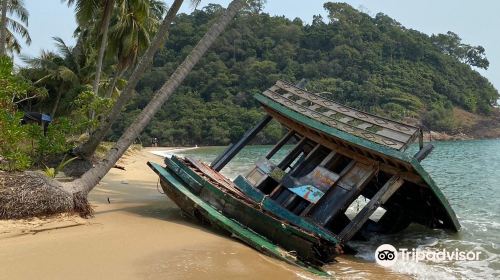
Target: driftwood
<point>119,167</point>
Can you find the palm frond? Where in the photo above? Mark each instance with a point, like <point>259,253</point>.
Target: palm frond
<point>67,75</point>
<point>13,44</point>
<point>67,53</point>
<point>19,28</point>
<point>157,8</point>
<point>195,3</point>
<point>16,7</point>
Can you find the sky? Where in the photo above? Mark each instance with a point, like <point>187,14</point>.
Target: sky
<point>476,22</point>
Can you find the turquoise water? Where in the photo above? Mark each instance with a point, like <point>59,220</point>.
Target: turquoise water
<point>468,173</point>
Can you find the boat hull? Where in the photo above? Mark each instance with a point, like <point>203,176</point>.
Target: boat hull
<point>200,209</point>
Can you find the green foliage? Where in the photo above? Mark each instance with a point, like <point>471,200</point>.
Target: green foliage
<point>55,141</point>
<point>21,146</point>
<point>15,88</point>
<point>12,135</point>
<point>451,44</point>
<point>371,63</point>
<point>16,26</point>
<point>85,103</point>
<point>440,118</point>
<point>52,172</point>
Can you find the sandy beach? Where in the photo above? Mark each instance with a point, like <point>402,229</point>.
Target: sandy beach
<point>139,234</point>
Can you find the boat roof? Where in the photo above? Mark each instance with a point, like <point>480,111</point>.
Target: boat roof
<point>383,131</point>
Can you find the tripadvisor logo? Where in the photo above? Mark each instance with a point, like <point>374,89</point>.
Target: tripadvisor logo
<point>387,255</point>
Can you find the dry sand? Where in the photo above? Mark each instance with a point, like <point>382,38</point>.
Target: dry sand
<point>140,234</point>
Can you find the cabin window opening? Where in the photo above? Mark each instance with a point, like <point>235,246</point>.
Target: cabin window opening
<point>292,156</point>
<point>356,206</point>
<point>294,203</point>
<point>268,185</point>
<point>302,157</point>
<point>312,161</point>
<point>301,206</point>
<point>338,163</point>
<point>282,147</point>
<point>378,214</point>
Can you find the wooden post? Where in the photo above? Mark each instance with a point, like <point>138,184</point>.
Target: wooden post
<point>292,155</point>
<point>424,152</point>
<point>249,135</point>
<point>223,153</point>
<point>389,188</point>
<point>421,138</point>
<point>346,189</point>
<point>233,151</point>
<point>280,144</point>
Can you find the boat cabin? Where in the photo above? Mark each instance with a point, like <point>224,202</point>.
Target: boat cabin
<point>334,156</point>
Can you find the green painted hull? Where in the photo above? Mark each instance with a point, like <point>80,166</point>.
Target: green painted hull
<point>194,205</point>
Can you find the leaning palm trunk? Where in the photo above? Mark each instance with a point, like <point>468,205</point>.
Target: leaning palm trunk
<point>108,8</point>
<point>87,149</point>
<point>3,31</point>
<point>111,88</point>
<point>56,103</point>
<point>92,177</point>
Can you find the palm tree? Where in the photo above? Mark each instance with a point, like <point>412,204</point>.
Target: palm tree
<point>87,149</point>
<point>62,70</point>
<point>130,34</point>
<point>10,26</point>
<point>3,32</point>
<point>81,187</point>
<point>88,14</point>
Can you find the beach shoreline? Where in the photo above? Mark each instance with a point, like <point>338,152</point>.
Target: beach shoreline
<point>139,234</point>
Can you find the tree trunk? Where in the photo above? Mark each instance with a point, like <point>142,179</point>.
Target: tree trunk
<point>112,85</point>
<point>91,178</point>
<point>3,31</point>
<point>56,105</point>
<point>87,149</point>
<point>108,9</point>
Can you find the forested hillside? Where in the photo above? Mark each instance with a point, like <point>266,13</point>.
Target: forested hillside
<point>371,63</point>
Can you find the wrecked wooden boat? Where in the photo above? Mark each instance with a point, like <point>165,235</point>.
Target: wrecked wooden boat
<point>295,207</point>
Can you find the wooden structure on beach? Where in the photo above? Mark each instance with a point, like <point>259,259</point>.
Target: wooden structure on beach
<point>334,156</point>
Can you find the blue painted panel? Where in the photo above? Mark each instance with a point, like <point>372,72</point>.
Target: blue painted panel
<point>308,192</point>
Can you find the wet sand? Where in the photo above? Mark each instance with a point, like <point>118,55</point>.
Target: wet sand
<point>140,234</point>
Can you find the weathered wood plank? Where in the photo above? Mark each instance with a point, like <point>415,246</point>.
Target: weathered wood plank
<point>343,193</point>
<point>424,152</point>
<point>389,188</point>
<point>365,117</point>
<point>292,155</point>
<point>280,144</point>
<point>249,135</point>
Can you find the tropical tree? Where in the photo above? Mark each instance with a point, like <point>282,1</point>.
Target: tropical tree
<point>81,187</point>
<point>87,149</point>
<point>11,25</point>
<point>96,15</point>
<point>132,27</point>
<point>63,71</point>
